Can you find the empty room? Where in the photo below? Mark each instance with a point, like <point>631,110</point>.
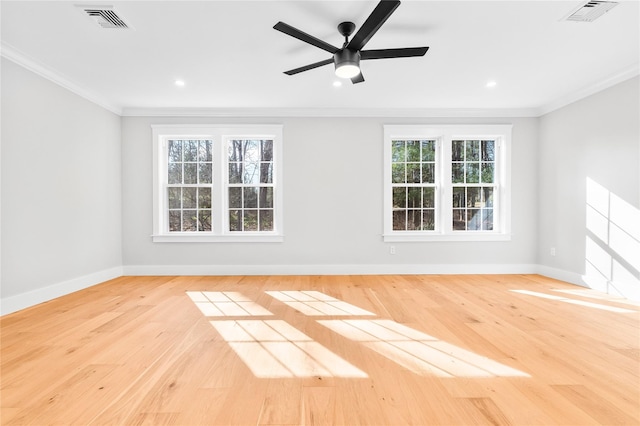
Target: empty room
<point>320,212</point>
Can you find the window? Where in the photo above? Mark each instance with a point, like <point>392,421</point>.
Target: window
<point>446,183</point>
<point>217,183</point>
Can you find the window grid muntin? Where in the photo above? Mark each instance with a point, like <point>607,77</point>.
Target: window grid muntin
<point>244,216</point>
<point>201,213</point>
<point>480,217</point>
<point>422,180</point>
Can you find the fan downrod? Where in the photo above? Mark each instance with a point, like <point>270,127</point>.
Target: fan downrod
<point>346,29</point>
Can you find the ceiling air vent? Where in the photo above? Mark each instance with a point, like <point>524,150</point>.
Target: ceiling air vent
<point>105,16</point>
<point>590,11</point>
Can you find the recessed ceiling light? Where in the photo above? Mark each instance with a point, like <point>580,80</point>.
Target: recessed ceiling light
<point>179,83</point>
<point>491,83</point>
<point>337,83</point>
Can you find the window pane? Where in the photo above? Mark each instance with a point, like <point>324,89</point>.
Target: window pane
<point>428,150</point>
<point>205,151</point>
<point>474,220</point>
<point>487,219</point>
<point>487,172</point>
<point>190,150</point>
<point>266,172</point>
<point>487,196</point>
<point>473,172</point>
<point>235,197</point>
<point>174,195</point>
<point>204,220</point>
<point>459,197</point>
<point>414,197</point>
<point>204,172</point>
<point>266,220</point>
<point>413,151</point>
<point>428,220</point>
<point>251,151</point>
<point>190,220</point>
<point>204,198</point>
<point>397,173</point>
<point>235,172</point>
<point>250,220</point>
<point>459,219</point>
<point>428,172</point>
<point>397,152</point>
<point>399,220</point>
<point>266,198</point>
<point>457,151</point>
<point>428,197</point>
<point>251,173</point>
<point>189,198</point>
<point>488,151</point>
<point>174,173</point>
<point>235,220</point>
<point>399,198</point>
<point>266,150</point>
<point>473,197</point>
<point>175,151</point>
<point>413,173</point>
<point>235,151</point>
<point>457,173</point>
<point>473,151</point>
<point>250,198</point>
<point>190,173</point>
<point>414,220</point>
<point>175,221</point>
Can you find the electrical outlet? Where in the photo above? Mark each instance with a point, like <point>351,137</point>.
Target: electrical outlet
<point>392,250</point>
<point>552,251</point>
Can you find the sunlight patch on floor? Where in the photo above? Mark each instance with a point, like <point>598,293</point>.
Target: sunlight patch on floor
<point>419,352</point>
<point>574,301</point>
<point>315,303</point>
<point>226,304</point>
<point>275,349</point>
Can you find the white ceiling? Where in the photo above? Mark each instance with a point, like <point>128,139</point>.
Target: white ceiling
<point>231,58</point>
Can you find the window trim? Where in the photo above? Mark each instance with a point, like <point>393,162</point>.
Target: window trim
<point>444,134</point>
<point>220,134</point>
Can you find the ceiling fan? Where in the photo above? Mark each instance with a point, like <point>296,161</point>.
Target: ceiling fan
<point>347,58</point>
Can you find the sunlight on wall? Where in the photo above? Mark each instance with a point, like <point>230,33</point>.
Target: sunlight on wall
<point>419,352</point>
<point>226,303</point>
<point>275,349</point>
<point>574,301</point>
<point>315,303</point>
<point>612,246</point>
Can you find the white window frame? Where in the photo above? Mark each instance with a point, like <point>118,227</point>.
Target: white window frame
<point>444,135</point>
<point>220,135</point>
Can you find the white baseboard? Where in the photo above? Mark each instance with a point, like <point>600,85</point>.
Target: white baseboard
<point>329,269</point>
<point>562,275</point>
<point>24,300</point>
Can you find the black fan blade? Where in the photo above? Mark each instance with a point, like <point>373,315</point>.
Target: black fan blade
<point>403,52</point>
<point>358,78</point>
<point>380,14</point>
<point>307,38</point>
<point>309,67</point>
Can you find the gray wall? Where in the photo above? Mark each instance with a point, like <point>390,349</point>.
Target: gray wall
<point>61,187</point>
<point>589,149</point>
<point>333,170</point>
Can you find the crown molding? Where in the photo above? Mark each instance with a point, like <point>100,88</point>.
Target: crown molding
<point>330,112</point>
<point>9,52</point>
<point>623,75</point>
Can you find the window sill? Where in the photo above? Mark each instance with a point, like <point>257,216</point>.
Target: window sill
<point>436,237</point>
<point>208,238</point>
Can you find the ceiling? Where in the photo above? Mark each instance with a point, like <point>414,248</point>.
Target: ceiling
<point>231,58</point>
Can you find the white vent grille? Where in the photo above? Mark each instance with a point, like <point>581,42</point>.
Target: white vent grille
<point>591,10</point>
<point>105,16</point>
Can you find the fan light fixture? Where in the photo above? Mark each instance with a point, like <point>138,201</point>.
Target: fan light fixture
<point>347,63</point>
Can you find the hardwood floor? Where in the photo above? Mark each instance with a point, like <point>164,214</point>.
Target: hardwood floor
<point>372,350</point>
